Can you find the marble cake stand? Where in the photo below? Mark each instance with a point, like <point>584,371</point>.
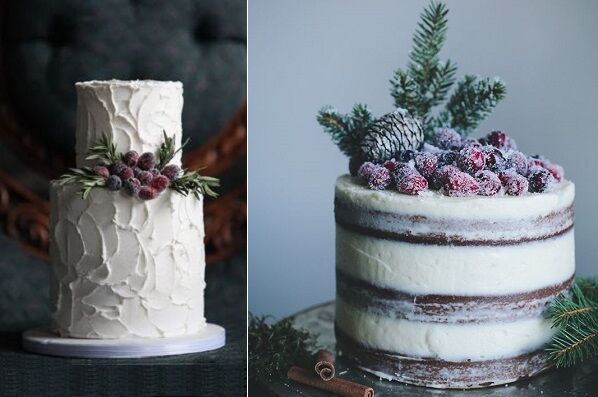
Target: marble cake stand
<point>42,341</point>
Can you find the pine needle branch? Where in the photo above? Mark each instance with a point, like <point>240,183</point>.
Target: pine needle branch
<point>346,130</point>
<point>104,150</point>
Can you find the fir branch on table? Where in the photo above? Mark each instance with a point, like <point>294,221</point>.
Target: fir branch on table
<point>167,150</point>
<point>85,177</point>
<point>274,348</point>
<point>576,318</point>
<point>104,150</point>
<point>193,182</point>
<point>346,130</point>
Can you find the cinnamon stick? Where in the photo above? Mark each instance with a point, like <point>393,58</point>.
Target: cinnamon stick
<point>338,386</point>
<point>324,365</point>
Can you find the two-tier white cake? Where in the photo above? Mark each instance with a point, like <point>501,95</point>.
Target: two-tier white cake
<point>124,267</point>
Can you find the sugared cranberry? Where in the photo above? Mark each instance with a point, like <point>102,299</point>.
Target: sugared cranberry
<point>390,165</point>
<point>113,183</point>
<point>540,180</point>
<point>471,142</point>
<point>136,171</point>
<point>132,186</point>
<point>406,155</point>
<point>126,173</point>
<point>147,193</point>
<point>495,160</point>
<point>497,139</point>
<point>365,170</point>
<point>145,177</point>
<point>440,177</point>
<point>447,158</point>
<point>160,183</point>
<point>412,184</point>
<point>130,158</point>
<point>447,138</point>
<point>426,163</point>
<point>379,178</point>
<point>515,184</point>
<point>471,160</point>
<point>488,182</point>
<point>401,170</point>
<point>556,170</point>
<point>173,171</point>
<point>536,161</point>
<point>117,167</point>
<point>461,185</point>
<point>101,171</point>
<point>518,161</point>
<point>146,161</point>
<point>155,172</point>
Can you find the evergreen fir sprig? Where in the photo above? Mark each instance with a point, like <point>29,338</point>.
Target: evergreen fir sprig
<point>575,316</point>
<point>346,130</point>
<point>104,150</point>
<point>191,182</point>
<point>274,348</point>
<point>85,177</point>
<point>167,150</point>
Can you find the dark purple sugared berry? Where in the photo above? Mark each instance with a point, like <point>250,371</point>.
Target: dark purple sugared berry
<point>488,182</point>
<point>366,170</point>
<point>540,180</point>
<point>426,163</point>
<point>101,171</point>
<point>518,161</point>
<point>471,142</point>
<point>379,178</point>
<point>447,158</point>
<point>113,183</point>
<point>173,171</point>
<point>447,138</point>
<point>155,172</point>
<point>126,173</point>
<point>406,155</point>
<point>132,186</point>
<point>556,170</point>
<point>146,161</point>
<point>145,177</point>
<point>412,184</point>
<point>496,139</point>
<point>130,158</point>
<point>471,160</point>
<point>495,159</point>
<point>390,165</point>
<point>160,183</point>
<point>136,171</point>
<point>440,177</point>
<point>117,167</point>
<point>147,193</point>
<point>461,184</point>
<point>515,184</point>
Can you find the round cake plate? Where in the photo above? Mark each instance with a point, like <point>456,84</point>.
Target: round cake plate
<point>42,341</point>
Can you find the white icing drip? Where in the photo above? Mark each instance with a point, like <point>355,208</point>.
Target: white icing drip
<point>133,113</point>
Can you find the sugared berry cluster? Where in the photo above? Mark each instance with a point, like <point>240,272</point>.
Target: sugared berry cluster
<point>138,175</point>
<point>462,168</point>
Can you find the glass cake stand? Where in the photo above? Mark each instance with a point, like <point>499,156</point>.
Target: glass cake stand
<point>581,380</point>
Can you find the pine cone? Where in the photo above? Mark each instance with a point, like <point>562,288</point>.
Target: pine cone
<point>391,134</point>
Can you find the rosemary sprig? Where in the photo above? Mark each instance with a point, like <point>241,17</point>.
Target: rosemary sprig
<point>167,150</point>
<point>104,150</point>
<point>193,182</point>
<point>274,348</point>
<point>84,177</point>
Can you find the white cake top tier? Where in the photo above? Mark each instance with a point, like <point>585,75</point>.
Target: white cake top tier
<point>135,114</point>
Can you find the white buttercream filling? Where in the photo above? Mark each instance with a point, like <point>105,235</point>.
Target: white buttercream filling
<point>436,205</point>
<point>135,114</point>
<point>456,270</point>
<point>451,342</point>
<point>123,267</point>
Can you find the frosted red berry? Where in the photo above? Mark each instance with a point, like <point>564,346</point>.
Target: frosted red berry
<point>412,184</point>
<point>160,183</point>
<point>514,184</point>
<point>447,138</point>
<point>471,142</point>
<point>461,185</point>
<point>540,180</point>
<point>426,163</point>
<point>440,176</point>
<point>132,186</point>
<point>495,159</point>
<point>113,183</point>
<point>366,170</point>
<point>471,160</point>
<point>145,177</point>
<point>447,158</point>
<point>147,193</point>
<point>146,161</point>
<point>136,171</point>
<point>518,161</point>
<point>130,158</point>
<point>172,171</point>
<point>488,182</point>
<point>117,167</point>
<point>126,173</point>
<point>101,171</point>
<point>391,165</point>
<point>379,178</point>
<point>556,170</point>
<point>497,139</point>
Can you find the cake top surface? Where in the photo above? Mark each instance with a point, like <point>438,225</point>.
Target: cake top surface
<point>128,83</point>
<point>435,204</point>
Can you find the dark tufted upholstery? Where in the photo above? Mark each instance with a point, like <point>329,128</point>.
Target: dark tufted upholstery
<point>49,45</point>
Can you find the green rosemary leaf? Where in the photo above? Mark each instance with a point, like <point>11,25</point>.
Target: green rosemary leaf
<point>167,151</point>
<point>191,182</point>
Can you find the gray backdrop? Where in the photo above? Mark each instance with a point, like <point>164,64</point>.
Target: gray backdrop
<point>304,54</point>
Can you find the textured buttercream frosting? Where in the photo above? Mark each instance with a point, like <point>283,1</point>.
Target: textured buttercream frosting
<point>427,282</point>
<point>135,114</point>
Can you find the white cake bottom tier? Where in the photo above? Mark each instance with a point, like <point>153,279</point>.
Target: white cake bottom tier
<point>126,268</point>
